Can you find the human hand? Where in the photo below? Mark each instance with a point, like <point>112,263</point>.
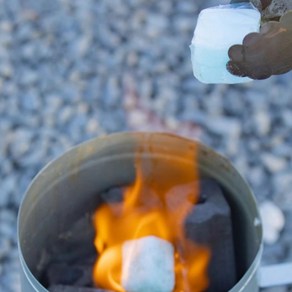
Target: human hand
<point>266,53</point>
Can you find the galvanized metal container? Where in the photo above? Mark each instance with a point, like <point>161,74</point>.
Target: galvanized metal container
<point>67,187</point>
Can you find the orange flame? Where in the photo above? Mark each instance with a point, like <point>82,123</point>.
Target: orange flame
<point>164,192</point>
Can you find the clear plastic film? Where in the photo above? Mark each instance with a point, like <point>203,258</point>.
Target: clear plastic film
<point>219,28</point>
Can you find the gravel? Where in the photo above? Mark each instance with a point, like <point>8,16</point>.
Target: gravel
<point>71,70</point>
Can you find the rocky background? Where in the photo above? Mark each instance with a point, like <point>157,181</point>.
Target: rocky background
<point>74,69</point>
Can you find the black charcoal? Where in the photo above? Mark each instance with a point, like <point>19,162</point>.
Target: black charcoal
<point>62,288</point>
<point>209,224</point>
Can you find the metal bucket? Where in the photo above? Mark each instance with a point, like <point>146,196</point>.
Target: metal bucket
<point>72,181</point>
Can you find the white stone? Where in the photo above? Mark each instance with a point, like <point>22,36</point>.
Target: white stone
<point>148,265</point>
<point>274,163</point>
<point>263,122</point>
<point>218,28</point>
<point>273,221</point>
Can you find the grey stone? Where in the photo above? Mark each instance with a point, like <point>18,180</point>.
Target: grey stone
<point>187,7</point>
<point>183,23</point>
<point>4,198</point>
<point>111,93</point>
<point>31,101</point>
<point>6,70</point>
<point>6,40</point>
<point>6,26</point>
<point>12,278</point>
<point>257,175</point>
<point>156,23</point>
<point>273,221</point>
<point>262,122</point>
<point>28,51</point>
<point>65,114</point>
<point>7,215</point>
<point>282,150</point>
<point>282,182</point>
<point>7,188</point>
<point>92,126</point>
<point>83,45</point>
<point>287,117</point>
<point>224,126</point>
<point>20,142</point>
<point>274,254</point>
<point>6,166</point>
<point>273,163</point>
<point>35,155</point>
<point>8,231</point>
<point>5,247</point>
<point>30,77</point>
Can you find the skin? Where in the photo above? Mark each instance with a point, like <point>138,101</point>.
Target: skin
<point>266,53</point>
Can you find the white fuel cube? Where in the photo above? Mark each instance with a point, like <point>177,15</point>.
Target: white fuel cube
<point>148,265</point>
<point>218,28</point>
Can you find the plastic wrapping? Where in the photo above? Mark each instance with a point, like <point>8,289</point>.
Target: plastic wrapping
<point>219,28</point>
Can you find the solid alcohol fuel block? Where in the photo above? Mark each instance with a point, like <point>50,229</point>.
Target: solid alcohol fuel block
<point>148,265</point>
<point>218,28</point>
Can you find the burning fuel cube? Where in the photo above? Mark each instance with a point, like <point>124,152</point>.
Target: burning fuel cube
<point>148,265</point>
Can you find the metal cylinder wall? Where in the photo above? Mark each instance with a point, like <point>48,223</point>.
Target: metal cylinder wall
<point>72,181</point>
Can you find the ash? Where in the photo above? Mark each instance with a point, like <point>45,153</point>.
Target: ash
<point>72,70</point>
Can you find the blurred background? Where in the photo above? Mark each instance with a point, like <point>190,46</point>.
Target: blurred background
<point>71,70</point>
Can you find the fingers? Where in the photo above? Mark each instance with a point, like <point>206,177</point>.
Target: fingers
<point>237,64</point>
<point>251,66</point>
<point>282,70</point>
<point>235,68</point>
<point>260,72</point>
<point>244,59</point>
<point>264,54</point>
<point>251,39</point>
<point>257,57</point>
<point>235,53</point>
<point>254,72</point>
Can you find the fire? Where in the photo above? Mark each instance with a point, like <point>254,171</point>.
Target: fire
<point>165,190</point>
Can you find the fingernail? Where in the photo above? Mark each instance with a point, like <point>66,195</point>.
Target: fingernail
<point>233,68</point>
